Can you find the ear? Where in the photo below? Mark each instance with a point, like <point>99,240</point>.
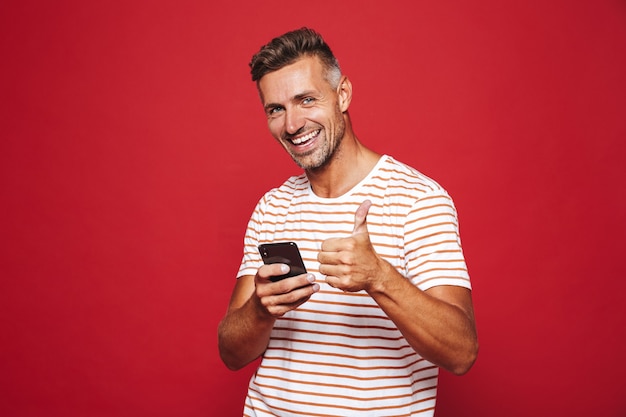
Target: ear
<point>344,93</point>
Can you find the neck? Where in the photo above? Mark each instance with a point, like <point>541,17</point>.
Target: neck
<point>350,164</point>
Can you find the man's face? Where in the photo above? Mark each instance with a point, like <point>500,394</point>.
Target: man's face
<point>303,111</point>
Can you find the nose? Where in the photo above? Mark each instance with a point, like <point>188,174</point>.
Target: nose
<point>294,120</point>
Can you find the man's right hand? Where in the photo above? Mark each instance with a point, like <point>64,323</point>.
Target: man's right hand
<point>277,298</point>
<point>255,305</point>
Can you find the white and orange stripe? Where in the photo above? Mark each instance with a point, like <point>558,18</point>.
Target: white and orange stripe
<point>339,354</point>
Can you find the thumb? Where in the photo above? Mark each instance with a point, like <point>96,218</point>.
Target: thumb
<point>360,217</point>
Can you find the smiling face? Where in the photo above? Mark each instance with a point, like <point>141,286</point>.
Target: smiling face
<point>304,111</point>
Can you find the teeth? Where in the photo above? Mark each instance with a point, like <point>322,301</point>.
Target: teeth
<point>302,139</point>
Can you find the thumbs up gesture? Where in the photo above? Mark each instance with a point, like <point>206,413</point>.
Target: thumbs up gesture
<point>351,263</point>
<point>360,218</point>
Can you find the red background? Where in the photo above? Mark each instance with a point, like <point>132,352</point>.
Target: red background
<point>134,149</point>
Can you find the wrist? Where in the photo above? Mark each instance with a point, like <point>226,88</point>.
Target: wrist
<point>259,311</point>
<point>384,276</point>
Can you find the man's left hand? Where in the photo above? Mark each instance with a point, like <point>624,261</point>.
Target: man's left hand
<point>351,263</point>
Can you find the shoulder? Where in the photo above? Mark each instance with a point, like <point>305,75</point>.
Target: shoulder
<point>293,186</point>
<point>407,180</point>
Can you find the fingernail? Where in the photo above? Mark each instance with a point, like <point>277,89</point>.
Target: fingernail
<point>310,277</point>
<point>284,268</point>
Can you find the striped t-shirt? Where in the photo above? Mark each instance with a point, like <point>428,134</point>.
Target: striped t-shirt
<point>338,354</point>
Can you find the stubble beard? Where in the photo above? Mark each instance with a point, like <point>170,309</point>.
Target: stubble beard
<point>320,156</point>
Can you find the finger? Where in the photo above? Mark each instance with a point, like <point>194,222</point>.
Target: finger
<point>266,272</point>
<point>360,217</point>
<point>330,245</point>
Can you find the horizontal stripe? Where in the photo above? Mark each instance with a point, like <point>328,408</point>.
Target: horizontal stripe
<point>338,353</point>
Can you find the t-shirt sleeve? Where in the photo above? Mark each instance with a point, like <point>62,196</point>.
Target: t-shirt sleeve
<point>251,260</point>
<point>433,251</point>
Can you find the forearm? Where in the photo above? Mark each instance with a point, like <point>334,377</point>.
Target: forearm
<point>441,331</point>
<point>256,302</point>
<point>243,335</point>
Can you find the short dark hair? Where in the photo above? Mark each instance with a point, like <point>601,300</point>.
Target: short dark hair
<point>288,48</point>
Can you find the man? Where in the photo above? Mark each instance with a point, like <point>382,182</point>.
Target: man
<point>386,300</point>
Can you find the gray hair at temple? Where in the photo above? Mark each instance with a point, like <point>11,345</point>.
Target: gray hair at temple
<point>290,47</point>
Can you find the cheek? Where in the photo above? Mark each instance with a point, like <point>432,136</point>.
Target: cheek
<point>274,127</point>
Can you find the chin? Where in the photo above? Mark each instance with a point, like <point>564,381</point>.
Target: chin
<point>317,158</point>
<point>305,161</point>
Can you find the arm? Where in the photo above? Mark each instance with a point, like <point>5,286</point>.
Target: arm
<point>256,302</point>
<point>437,323</point>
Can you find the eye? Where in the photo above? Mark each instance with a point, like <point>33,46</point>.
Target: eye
<point>308,100</point>
<point>273,111</point>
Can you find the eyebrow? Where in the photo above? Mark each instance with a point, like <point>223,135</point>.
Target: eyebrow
<point>270,106</point>
<point>303,95</point>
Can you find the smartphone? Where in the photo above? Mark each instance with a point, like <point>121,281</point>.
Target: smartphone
<point>283,253</point>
